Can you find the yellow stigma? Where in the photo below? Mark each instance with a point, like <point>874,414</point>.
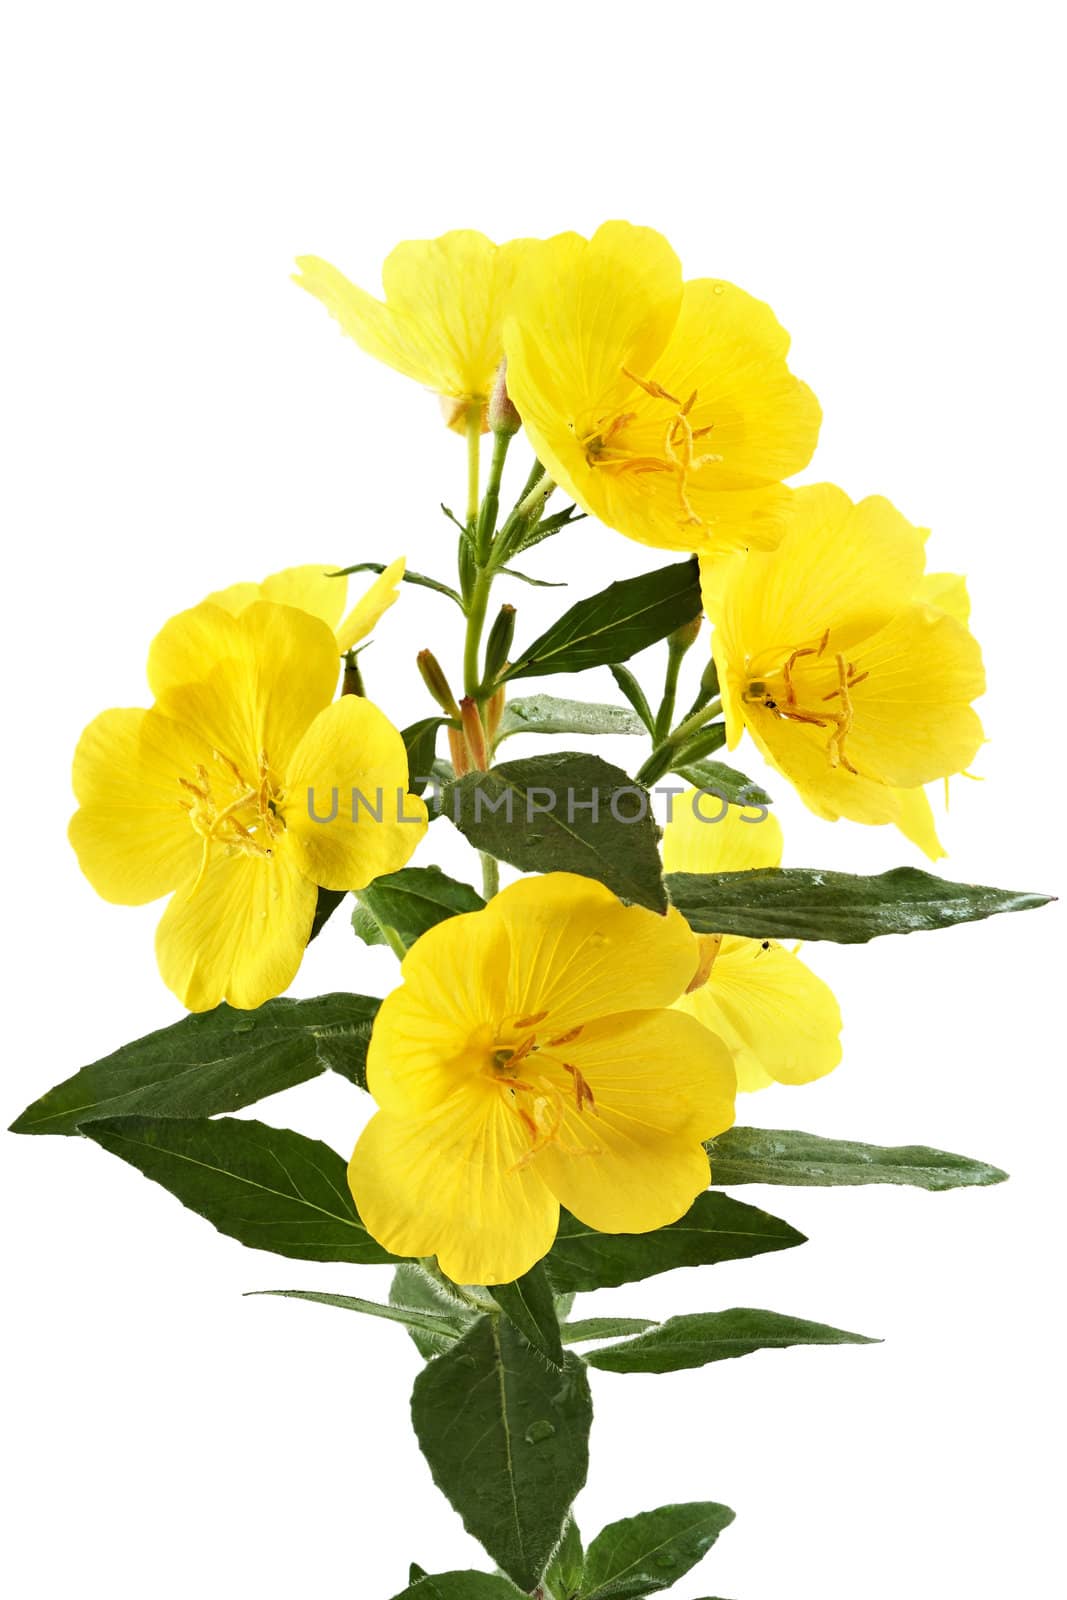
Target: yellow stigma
<point>797,693</point>
<point>534,1097</point>
<point>604,445</point>
<point>239,814</point>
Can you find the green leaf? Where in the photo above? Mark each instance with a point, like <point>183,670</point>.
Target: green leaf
<point>603,1328</point>
<point>706,1336</point>
<point>506,1436</point>
<point>524,577</point>
<point>420,742</point>
<point>564,1575</point>
<point>412,1289</point>
<point>801,903</point>
<point>725,782</point>
<point>325,906</point>
<point>416,578</point>
<point>644,1554</point>
<point>562,813</point>
<point>529,1304</point>
<point>423,1321</point>
<point>803,1160</point>
<point>546,713</point>
<point>715,1228</point>
<point>415,1571</point>
<point>615,624</point>
<point>459,1586</point>
<point>270,1188</point>
<point>701,744</point>
<point>213,1061</point>
<point>411,901</point>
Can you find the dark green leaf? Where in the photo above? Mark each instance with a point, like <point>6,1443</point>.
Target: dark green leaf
<point>802,903</point>
<point>411,901</point>
<point>564,812</point>
<point>423,1321</point>
<point>546,713</point>
<point>715,1228</point>
<point>564,1575</point>
<point>269,1188</point>
<point>616,623</point>
<point>413,1289</point>
<point>459,1586</point>
<point>529,1304</point>
<point>725,782</point>
<point>772,1155</point>
<point>416,578</point>
<point>645,1554</point>
<point>325,906</point>
<point>706,1336</point>
<point>506,1436</point>
<point>603,1328</point>
<point>420,742</point>
<point>213,1061</point>
<point>415,1571</point>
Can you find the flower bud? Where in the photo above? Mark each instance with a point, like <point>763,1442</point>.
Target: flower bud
<point>353,678</point>
<point>457,749</point>
<point>503,417</point>
<point>434,679</point>
<point>474,735</point>
<point>685,636</point>
<point>494,710</point>
<point>499,643</point>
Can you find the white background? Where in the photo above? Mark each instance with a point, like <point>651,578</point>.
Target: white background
<point>178,416</point>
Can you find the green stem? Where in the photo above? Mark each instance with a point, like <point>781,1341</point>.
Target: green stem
<point>474,461</point>
<point>670,693</point>
<point>536,491</point>
<point>490,874</point>
<point>665,747</point>
<point>476,609</point>
<point>491,504</point>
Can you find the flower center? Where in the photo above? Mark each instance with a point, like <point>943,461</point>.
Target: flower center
<point>793,689</point>
<point>532,1093</point>
<point>605,447</point>
<point>225,808</point>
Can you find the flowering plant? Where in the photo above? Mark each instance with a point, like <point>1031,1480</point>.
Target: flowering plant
<point>555,1076</point>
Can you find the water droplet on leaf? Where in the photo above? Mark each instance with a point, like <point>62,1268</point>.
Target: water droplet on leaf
<point>538,1431</point>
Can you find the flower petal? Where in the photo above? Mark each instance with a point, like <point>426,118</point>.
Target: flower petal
<point>434,1032</point>
<point>913,720</point>
<point>576,952</point>
<point>239,934</point>
<point>580,312</point>
<point>779,1020</point>
<point>351,758</point>
<point>450,1185</point>
<point>371,606</point>
<point>245,684</point>
<point>730,350</point>
<point>705,836</point>
<point>661,1083</point>
<point>133,839</point>
<point>441,323</point>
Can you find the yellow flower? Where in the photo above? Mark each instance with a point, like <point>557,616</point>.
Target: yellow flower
<point>440,322</point>
<point>780,1022</point>
<point>852,673</point>
<point>529,1060</point>
<point>215,794</point>
<point>665,409</point>
<point>311,588</point>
